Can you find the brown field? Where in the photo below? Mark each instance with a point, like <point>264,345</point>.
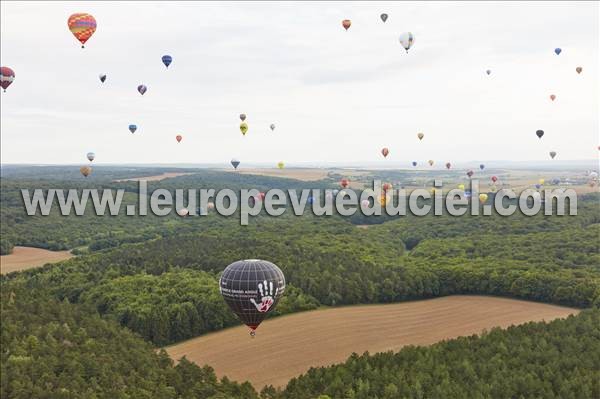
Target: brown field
<point>288,173</point>
<point>23,258</point>
<point>165,175</point>
<point>287,346</point>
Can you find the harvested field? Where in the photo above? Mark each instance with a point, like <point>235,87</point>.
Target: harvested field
<point>165,175</point>
<point>288,173</point>
<point>287,346</point>
<point>23,258</point>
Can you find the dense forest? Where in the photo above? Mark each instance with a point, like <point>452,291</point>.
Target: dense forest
<point>86,327</point>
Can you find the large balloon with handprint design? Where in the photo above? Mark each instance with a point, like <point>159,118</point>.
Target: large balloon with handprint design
<point>252,288</point>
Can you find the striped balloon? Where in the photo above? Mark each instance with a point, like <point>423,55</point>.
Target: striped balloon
<point>7,76</point>
<point>82,26</point>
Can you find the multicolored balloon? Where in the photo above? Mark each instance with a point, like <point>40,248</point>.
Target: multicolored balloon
<point>7,76</point>
<point>142,89</point>
<point>407,39</point>
<point>82,26</point>
<point>346,24</point>
<point>167,59</point>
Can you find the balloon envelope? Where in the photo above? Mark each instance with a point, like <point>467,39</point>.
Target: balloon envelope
<point>430,162</point>
<point>483,197</point>
<point>251,288</point>
<point>552,154</point>
<point>85,171</point>
<point>167,59</point>
<point>235,163</point>
<point>344,183</point>
<point>448,165</point>
<point>280,165</point>
<point>272,126</point>
<point>91,156</point>
<point>102,77</point>
<point>82,26</point>
<point>132,128</point>
<point>420,136</point>
<point>539,133</point>
<point>552,97</point>
<point>346,24</point>
<point>142,89</point>
<point>385,152</point>
<point>578,69</point>
<point>178,138</point>
<point>414,163</point>
<point>557,50</point>
<point>243,128</point>
<point>482,166</point>
<point>488,71</point>
<point>7,76</point>
<point>407,39</point>
<point>384,17</point>
<point>243,117</point>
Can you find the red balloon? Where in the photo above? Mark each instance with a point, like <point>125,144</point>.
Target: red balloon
<point>346,24</point>
<point>344,183</point>
<point>178,138</point>
<point>385,152</point>
<point>470,173</point>
<point>7,76</point>
<point>448,165</point>
<point>386,186</point>
<point>552,97</point>
<point>494,179</point>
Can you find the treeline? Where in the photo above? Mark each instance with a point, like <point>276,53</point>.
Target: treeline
<point>53,349</point>
<point>558,360</point>
<point>327,262</point>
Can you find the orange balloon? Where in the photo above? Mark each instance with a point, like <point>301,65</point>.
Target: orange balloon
<point>82,26</point>
<point>346,24</point>
<point>85,171</point>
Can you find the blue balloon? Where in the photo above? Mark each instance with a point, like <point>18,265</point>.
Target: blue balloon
<point>167,59</point>
<point>310,200</point>
<point>557,50</point>
<point>538,186</point>
<point>414,163</point>
<point>468,194</point>
<point>132,128</point>
<point>482,166</point>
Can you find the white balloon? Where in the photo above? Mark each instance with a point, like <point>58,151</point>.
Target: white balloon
<point>407,39</point>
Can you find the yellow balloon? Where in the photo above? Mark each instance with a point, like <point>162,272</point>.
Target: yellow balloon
<point>280,165</point>
<point>542,181</point>
<point>483,198</point>
<point>461,187</point>
<point>243,128</point>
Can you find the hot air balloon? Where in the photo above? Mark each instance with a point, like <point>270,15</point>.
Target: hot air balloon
<point>260,196</point>
<point>85,171</point>
<point>539,133</point>
<point>243,117</point>
<point>183,212</point>
<point>469,173</point>
<point>483,198</point>
<point>538,186</point>
<point>365,203</point>
<point>482,166</point>
<point>272,126</point>
<point>335,192</point>
<point>210,205</point>
<point>461,187</point>
<point>346,24</point>
<point>552,97</point>
<point>552,154</point>
<point>383,17</point>
<point>468,194</point>
<point>91,156</point>
<point>493,188</point>
<point>178,138</point>
<point>344,183</point>
<point>382,200</point>
<point>494,179</point>
<point>420,136</point>
<point>542,181</point>
<point>578,69</point>
<point>167,59</point>
<point>251,288</point>
<point>430,162</point>
<point>132,128</point>
<point>82,26</point>
<point>557,50</point>
<point>414,163</point>
<point>142,89</point>
<point>7,76</point>
<point>489,71</point>
<point>448,165</point>
<point>243,128</point>
<point>280,165</point>
<point>385,152</point>
<point>386,187</point>
<point>235,163</point>
<point>407,40</point>
<point>102,77</point>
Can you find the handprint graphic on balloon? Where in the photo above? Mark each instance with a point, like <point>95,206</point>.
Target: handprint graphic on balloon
<point>266,294</point>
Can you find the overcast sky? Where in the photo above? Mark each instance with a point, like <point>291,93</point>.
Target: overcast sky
<point>333,95</point>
